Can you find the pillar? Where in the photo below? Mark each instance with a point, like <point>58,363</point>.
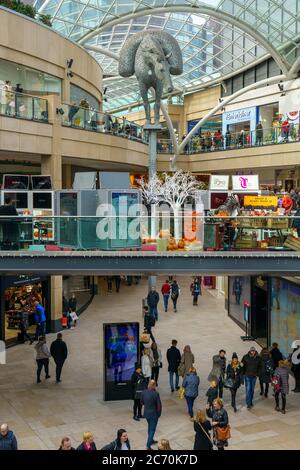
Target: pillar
<point>56,290</point>
<point>67,176</point>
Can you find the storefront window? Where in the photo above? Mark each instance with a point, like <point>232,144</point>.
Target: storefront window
<point>77,94</point>
<point>268,115</point>
<point>32,81</point>
<point>285,318</point>
<point>239,292</point>
<point>213,125</point>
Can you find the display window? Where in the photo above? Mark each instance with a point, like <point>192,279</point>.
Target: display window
<point>19,307</point>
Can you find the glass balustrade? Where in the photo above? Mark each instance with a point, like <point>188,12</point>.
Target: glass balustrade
<point>22,106</point>
<point>180,234</point>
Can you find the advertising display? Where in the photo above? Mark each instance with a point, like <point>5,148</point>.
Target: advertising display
<point>245,183</point>
<point>261,202</point>
<point>121,354</point>
<point>219,182</point>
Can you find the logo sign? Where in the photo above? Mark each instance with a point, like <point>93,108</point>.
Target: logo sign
<point>245,183</point>
<point>239,115</point>
<point>260,202</point>
<point>220,182</point>
<point>2,353</point>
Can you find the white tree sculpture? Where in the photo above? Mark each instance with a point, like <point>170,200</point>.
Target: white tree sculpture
<point>152,194</point>
<point>172,189</point>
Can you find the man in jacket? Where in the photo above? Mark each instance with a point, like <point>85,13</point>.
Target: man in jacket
<point>59,352</point>
<point>8,440</point>
<point>150,399</point>
<point>276,355</point>
<point>40,320</point>
<point>251,366</point>
<point>149,322</point>
<point>42,358</point>
<point>152,301</point>
<point>173,358</point>
<point>165,290</point>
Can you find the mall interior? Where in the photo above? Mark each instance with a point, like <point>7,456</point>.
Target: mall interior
<point>73,135</point>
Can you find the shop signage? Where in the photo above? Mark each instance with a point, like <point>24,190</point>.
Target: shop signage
<point>260,202</point>
<point>11,281</point>
<point>240,115</point>
<point>220,182</point>
<point>245,183</point>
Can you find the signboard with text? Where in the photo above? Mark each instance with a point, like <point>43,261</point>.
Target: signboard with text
<point>260,202</point>
<point>219,182</point>
<point>245,183</point>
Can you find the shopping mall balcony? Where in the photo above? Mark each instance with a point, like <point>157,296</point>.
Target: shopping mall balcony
<point>117,244</point>
<point>275,148</point>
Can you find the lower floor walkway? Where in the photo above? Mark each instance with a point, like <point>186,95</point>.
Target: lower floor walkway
<point>40,415</point>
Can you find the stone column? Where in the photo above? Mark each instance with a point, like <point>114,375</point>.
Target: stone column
<point>67,176</point>
<point>56,302</point>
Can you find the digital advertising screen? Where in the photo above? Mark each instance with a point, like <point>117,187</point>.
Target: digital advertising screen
<point>121,353</point>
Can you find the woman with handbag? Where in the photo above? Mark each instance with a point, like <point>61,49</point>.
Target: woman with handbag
<point>233,378</point>
<point>187,361</point>
<point>202,428</point>
<point>157,364</point>
<point>221,428</point>
<point>280,383</point>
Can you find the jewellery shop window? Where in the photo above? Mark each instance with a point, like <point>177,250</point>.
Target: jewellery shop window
<point>19,300</point>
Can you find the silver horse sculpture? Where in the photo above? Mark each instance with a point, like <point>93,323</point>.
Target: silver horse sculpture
<point>153,56</point>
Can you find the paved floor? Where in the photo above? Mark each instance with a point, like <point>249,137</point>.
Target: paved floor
<point>42,414</point>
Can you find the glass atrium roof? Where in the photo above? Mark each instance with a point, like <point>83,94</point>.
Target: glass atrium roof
<point>217,37</point>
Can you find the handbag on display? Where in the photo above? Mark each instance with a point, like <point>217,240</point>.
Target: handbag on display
<point>223,434</point>
<point>181,393</point>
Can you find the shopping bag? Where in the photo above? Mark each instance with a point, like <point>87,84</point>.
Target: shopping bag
<point>74,316</point>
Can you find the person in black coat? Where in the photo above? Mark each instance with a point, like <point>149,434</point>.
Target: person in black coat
<point>138,384</point>
<point>234,372</point>
<point>173,358</point>
<point>149,322</point>
<point>265,371</point>
<point>121,443</point>
<point>152,410</point>
<point>202,428</point>
<point>59,352</point>
<point>276,355</point>
<point>152,301</point>
<point>10,226</point>
<point>72,303</point>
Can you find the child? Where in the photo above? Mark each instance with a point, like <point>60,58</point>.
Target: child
<point>212,393</point>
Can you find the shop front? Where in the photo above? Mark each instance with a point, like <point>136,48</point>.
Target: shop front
<point>17,296</point>
<point>239,294</point>
<point>238,120</point>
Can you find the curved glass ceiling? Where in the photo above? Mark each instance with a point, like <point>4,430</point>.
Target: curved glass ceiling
<point>217,37</point>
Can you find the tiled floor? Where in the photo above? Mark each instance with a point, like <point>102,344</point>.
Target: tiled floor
<point>41,415</point>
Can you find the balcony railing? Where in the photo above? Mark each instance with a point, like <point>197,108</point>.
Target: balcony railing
<point>193,233</point>
<point>214,142</point>
<point>91,120</point>
<point>22,106</point>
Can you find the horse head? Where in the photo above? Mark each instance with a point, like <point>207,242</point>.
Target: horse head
<point>157,61</point>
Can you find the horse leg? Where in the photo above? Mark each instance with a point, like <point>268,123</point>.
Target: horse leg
<point>144,95</point>
<point>158,95</point>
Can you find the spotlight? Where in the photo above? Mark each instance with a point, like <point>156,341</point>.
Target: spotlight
<point>70,74</point>
<point>280,86</point>
<point>60,111</point>
<point>70,63</point>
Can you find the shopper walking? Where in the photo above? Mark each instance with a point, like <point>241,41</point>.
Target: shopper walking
<point>66,444</point>
<point>218,370</point>
<point>175,294</point>
<point>164,444</point>
<point>234,378</point>
<point>281,375</point>
<point>59,352</point>
<point>212,392</point>
<point>147,364</point>
<point>186,362</point>
<point>23,325</point>
<point>40,320</point>
<point>165,290</point>
<point>121,443</point>
<point>191,384</point>
<point>152,301</point>
<point>266,370</point>
<point>88,442</point>
<point>150,399</point>
<point>8,440</point>
<point>173,358</point>
<point>117,282</point>
<point>220,421</point>
<point>202,428</point>
<point>157,362</point>
<point>251,366</point>
<point>276,355</point>
<point>149,322</point>
<point>109,280</point>
<point>195,291</point>
<point>259,133</point>
<point>42,358</point>
<point>138,384</point>
<point>72,304</point>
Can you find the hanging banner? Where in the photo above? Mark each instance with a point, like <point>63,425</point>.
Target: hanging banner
<point>245,183</point>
